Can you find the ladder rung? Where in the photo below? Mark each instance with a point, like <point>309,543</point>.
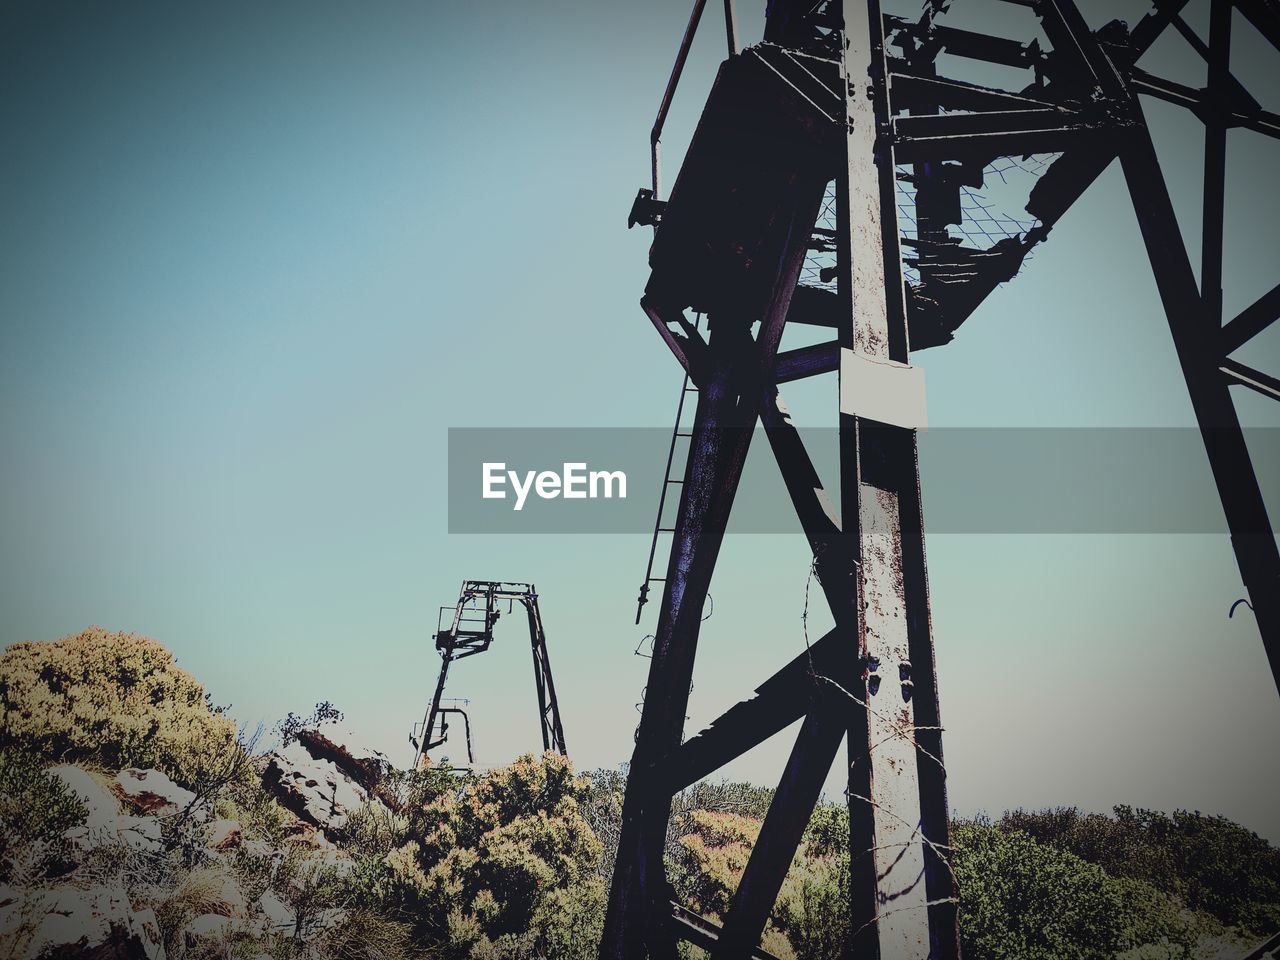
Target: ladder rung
<point>669,480</point>
<point>666,529</point>
<point>681,434</point>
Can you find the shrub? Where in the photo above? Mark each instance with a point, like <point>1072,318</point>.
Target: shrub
<point>567,926</point>
<point>1221,868</point>
<point>814,917</point>
<point>365,935</point>
<point>36,808</point>
<point>485,861</point>
<point>602,807</point>
<point>716,852</point>
<point>1020,899</point>
<point>289,728</point>
<point>827,834</point>
<point>115,699</point>
<point>1209,863</point>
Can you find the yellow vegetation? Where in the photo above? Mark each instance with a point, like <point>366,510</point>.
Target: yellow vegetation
<point>116,699</point>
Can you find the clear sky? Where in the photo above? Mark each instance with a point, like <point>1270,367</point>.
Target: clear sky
<point>258,258</point>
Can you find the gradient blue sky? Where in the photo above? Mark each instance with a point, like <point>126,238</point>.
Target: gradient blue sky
<point>258,258</point>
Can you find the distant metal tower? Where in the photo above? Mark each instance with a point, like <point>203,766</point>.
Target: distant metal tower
<point>467,631</point>
<point>824,101</point>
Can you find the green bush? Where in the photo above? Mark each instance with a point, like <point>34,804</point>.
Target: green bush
<point>1209,863</point>
<point>1116,847</point>
<point>716,850</point>
<point>814,915</point>
<point>1020,900</point>
<point>1219,866</point>
<point>485,862</point>
<point>115,699</point>
<point>1023,900</point>
<point>36,808</point>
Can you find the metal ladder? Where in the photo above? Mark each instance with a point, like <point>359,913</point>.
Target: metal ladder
<point>668,481</point>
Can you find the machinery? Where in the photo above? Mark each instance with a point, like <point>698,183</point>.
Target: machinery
<point>465,630</point>
<point>830,183</point>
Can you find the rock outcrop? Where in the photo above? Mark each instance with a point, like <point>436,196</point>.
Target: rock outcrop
<point>151,792</point>
<point>70,924</point>
<point>104,823</point>
<point>361,762</point>
<point>322,779</point>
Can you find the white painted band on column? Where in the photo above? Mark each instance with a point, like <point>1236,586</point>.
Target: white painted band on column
<point>882,390</point>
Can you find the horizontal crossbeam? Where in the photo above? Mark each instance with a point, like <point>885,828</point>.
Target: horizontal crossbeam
<point>911,92</point>
<point>1198,101</point>
<point>959,136</point>
<point>807,361</point>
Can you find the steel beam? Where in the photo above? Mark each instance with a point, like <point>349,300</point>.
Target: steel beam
<point>548,703</point>
<point>961,136</point>
<point>778,702</point>
<point>638,922</point>
<point>1215,162</point>
<point>1234,114</point>
<point>1265,17</point>
<point>1251,321</point>
<point>1150,27</point>
<point>783,826</point>
<point>1198,349</point>
<point>891,910</point>
<point>807,361</point>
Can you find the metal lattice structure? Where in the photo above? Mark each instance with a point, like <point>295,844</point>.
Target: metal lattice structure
<point>465,630</point>
<point>835,179</point>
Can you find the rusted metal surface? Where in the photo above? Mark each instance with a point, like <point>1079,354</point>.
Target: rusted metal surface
<point>824,99</point>
<point>891,909</point>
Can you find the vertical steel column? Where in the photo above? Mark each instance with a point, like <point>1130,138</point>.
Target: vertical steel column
<point>901,888</point>
<point>548,704</point>
<point>1215,161</point>
<point>639,914</point>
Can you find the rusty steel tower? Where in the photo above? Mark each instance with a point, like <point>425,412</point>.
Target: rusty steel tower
<point>466,629</point>
<point>807,143</point>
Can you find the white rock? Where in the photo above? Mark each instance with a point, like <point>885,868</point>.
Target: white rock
<point>224,835</point>
<point>101,805</point>
<point>354,756</point>
<point>315,790</point>
<point>276,912</point>
<point>140,833</point>
<point>208,925</point>
<point>137,833</point>
<point>356,744</point>
<point>147,926</point>
<point>257,848</point>
<point>150,791</point>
